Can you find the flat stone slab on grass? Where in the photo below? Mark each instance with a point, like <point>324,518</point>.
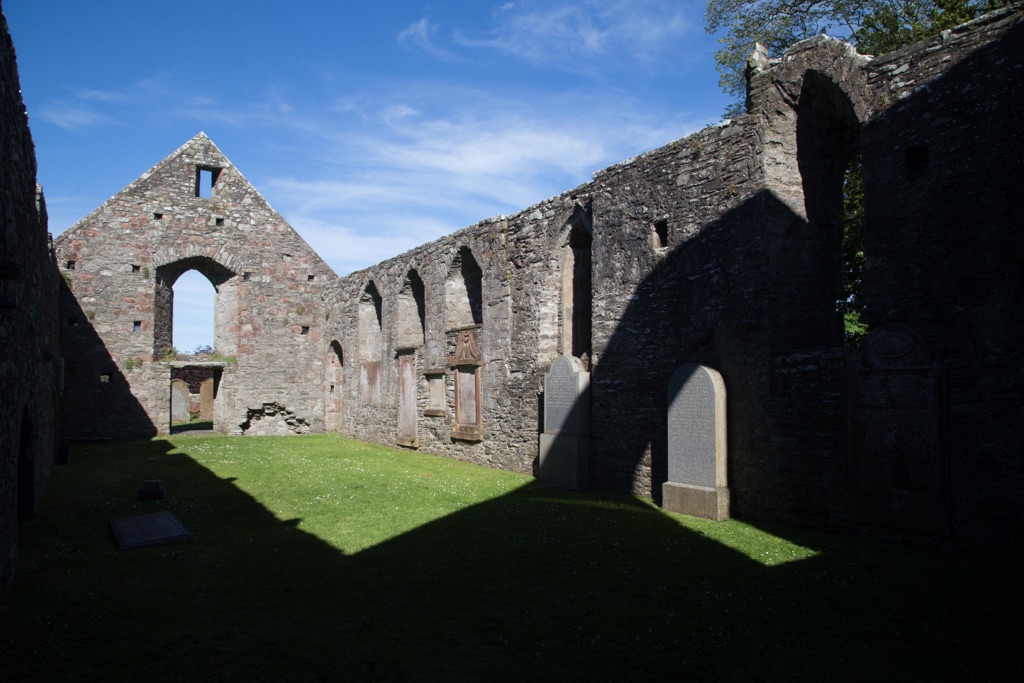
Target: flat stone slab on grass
<point>157,528</point>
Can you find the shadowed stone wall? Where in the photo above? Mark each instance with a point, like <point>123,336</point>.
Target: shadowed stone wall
<point>725,249</point>
<point>29,353</point>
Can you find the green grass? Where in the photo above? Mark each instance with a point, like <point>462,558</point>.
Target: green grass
<point>318,558</point>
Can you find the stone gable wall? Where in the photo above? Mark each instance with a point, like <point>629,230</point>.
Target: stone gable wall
<point>120,263</point>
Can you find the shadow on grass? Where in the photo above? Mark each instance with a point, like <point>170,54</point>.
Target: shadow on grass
<point>534,585</point>
<point>197,426</point>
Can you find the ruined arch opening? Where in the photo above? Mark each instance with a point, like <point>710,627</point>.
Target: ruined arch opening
<point>463,292</point>
<point>827,142</point>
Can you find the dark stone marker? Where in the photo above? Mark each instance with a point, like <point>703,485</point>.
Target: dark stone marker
<point>158,528</point>
<point>898,466</point>
<point>696,444</point>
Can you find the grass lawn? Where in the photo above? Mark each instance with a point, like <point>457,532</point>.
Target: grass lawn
<point>320,558</point>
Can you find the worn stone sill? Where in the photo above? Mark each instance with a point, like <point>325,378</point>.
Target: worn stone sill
<point>198,364</point>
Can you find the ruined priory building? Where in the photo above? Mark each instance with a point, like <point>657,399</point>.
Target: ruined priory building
<point>722,249</point>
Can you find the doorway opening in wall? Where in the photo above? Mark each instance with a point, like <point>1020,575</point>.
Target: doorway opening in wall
<point>196,303</point>
<point>193,333</point>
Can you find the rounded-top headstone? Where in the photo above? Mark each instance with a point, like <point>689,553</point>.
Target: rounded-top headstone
<point>696,427</point>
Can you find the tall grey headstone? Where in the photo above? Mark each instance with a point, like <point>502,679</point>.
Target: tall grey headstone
<point>565,441</point>
<point>696,483</point>
<point>179,401</point>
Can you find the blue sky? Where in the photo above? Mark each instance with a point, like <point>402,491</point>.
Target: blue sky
<point>371,127</point>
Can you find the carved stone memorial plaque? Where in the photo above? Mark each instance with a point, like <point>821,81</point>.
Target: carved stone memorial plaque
<point>696,483</point>
<point>565,441</point>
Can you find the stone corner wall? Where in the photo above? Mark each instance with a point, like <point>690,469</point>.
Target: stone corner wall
<point>29,364</point>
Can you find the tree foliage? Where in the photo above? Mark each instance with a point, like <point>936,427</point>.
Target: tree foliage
<point>874,26</point>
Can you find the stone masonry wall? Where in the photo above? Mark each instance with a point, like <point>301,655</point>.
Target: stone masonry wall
<point>725,248</point>
<point>120,264</point>
<point>29,357</point>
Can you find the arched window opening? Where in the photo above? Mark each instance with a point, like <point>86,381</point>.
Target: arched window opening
<point>411,313</point>
<point>577,289</point>
<point>334,379</point>
<point>850,304</point>
<point>371,341</point>
<point>463,292</point>
<point>186,317</point>
<point>828,136</point>
<point>193,317</point>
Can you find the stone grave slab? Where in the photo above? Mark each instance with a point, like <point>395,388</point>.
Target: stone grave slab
<point>179,401</point>
<point>206,400</point>
<point>696,483</point>
<point>157,528</point>
<point>565,441</point>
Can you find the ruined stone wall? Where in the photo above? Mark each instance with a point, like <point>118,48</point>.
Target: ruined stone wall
<point>725,248</point>
<point>193,210</point>
<point>28,336</point>
<point>947,258</point>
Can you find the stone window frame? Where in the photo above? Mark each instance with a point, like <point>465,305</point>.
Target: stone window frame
<point>214,176</point>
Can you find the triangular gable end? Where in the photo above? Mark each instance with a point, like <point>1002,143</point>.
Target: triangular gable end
<point>194,189</point>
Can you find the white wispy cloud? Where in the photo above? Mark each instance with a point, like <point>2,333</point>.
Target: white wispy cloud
<point>400,172</point>
<point>570,35</point>
<point>73,115</point>
<point>420,36</point>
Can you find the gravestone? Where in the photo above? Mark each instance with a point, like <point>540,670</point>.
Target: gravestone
<point>898,462</point>
<point>696,483</point>
<point>157,528</point>
<point>206,400</point>
<point>565,441</point>
<point>179,401</point>
<point>407,399</point>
